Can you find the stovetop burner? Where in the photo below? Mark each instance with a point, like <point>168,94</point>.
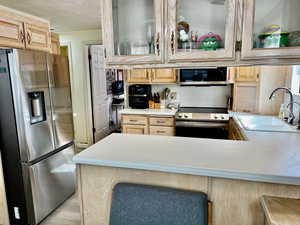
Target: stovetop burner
<point>202,110</point>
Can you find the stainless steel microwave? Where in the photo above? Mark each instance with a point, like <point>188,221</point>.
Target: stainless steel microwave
<point>203,76</point>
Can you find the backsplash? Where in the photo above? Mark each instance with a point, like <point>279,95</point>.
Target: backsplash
<point>213,96</point>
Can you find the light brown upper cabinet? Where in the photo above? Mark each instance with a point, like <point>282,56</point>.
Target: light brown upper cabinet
<point>11,33</point>
<point>37,38</point>
<point>18,30</point>
<point>145,76</point>
<point>271,29</point>
<point>252,95</point>
<point>55,45</point>
<point>201,30</point>
<point>163,76</point>
<point>133,31</point>
<point>138,76</point>
<point>187,32</point>
<point>247,74</point>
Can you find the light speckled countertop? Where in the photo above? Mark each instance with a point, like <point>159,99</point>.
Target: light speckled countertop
<point>159,112</point>
<point>266,156</point>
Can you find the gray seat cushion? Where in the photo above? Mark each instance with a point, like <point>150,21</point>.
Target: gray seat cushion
<point>134,204</point>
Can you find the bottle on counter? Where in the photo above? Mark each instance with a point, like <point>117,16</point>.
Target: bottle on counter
<point>281,114</point>
<point>163,100</point>
<point>157,101</point>
<point>151,101</point>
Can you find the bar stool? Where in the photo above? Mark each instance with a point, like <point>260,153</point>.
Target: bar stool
<point>136,204</point>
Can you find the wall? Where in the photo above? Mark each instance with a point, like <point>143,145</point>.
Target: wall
<point>293,82</point>
<point>271,77</point>
<point>81,97</point>
<point>215,96</point>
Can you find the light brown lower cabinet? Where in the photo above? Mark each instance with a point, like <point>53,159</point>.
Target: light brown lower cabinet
<point>140,124</point>
<point>135,129</point>
<point>163,131</point>
<point>234,132</point>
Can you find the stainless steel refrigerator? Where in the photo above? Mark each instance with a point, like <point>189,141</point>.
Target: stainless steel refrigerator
<point>36,133</point>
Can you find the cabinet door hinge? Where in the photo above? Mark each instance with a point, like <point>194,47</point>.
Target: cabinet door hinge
<point>238,46</point>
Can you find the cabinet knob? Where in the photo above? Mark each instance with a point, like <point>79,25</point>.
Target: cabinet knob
<point>22,36</point>
<point>28,38</point>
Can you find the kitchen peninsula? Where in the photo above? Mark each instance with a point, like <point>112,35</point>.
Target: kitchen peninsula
<point>234,174</point>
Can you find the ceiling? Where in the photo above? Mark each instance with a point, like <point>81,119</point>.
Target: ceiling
<point>64,15</point>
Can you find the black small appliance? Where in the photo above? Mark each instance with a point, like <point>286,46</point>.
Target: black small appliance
<point>139,95</point>
<point>203,76</point>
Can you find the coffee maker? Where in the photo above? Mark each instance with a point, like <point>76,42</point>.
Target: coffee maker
<point>139,95</point>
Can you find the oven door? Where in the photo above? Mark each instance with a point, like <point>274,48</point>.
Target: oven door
<point>202,129</point>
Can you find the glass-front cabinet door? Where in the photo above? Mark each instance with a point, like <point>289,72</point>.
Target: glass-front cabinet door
<point>133,31</point>
<point>201,30</point>
<point>271,29</point>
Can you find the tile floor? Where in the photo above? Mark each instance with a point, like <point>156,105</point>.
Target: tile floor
<point>67,214</point>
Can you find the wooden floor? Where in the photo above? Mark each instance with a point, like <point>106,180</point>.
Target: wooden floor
<point>67,214</point>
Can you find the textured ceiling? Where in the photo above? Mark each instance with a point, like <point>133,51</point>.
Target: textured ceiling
<point>64,15</point>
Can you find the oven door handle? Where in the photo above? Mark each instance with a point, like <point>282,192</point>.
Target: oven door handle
<point>201,124</point>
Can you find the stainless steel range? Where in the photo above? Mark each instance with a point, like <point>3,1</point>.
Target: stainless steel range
<point>202,122</point>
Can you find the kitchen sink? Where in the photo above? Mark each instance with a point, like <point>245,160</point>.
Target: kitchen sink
<point>265,123</point>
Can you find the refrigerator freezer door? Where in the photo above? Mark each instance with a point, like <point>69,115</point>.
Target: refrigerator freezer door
<point>52,181</point>
<point>60,92</point>
<point>29,77</point>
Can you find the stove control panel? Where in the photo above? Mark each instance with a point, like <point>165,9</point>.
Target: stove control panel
<point>223,117</point>
<point>185,115</point>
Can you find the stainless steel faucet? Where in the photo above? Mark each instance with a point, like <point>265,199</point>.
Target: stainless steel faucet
<point>291,104</point>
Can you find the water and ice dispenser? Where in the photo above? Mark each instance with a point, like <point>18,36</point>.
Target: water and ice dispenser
<point>37,107</point>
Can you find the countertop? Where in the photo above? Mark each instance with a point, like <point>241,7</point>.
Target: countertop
<point>159,112</point>
<point>266,156</point>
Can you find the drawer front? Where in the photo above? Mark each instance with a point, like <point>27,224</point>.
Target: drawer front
<point>160,121</point>
<point>163,131</point>
<point>139,120</point>
<point>134,129</point>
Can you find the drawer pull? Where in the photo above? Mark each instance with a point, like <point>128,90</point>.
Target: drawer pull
<point>134,121</point>
<point>160,121</point>
<point>161,132</point>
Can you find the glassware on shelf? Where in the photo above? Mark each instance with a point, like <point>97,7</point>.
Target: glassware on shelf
<point>275,24</point>
<point>211,19</point>
<point>134,33</point>
<point>140,48</point>
<point>150,39</point>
